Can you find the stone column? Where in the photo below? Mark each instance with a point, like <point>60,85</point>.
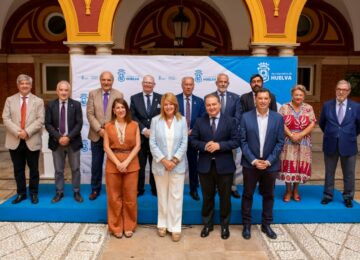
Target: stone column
<point>104,48</point>
<point>259,49</point>
<point>76,48</point>
<point>287,50</point>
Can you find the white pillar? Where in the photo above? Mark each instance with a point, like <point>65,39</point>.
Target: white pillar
<point>76,48</point>
<point>259,49</point>
<point>104,48</point>
<point>287,50</point>
<point>49,171</point>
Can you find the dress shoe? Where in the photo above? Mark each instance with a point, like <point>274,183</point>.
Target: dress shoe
<point>235,194</point>
<point>77,197</point>
<point>176,236</point>
<point>194,195</point>
<point>325,201</point>
<point>348,203</point>
<point>34,198</point>
<point>140,193</point>
<point>268,231</point>
<point>58,196</point>
<point>93,195</point>
<point>19,198</point>
<point>128,234</point>
<point>246,233</point>
<point>206,231</point>
<point>162,232</point>
<point>225,233</point>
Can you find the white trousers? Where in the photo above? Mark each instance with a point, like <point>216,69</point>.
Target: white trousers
<point>170,190</point>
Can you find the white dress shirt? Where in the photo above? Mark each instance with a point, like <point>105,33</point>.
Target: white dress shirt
<point>262,121</point>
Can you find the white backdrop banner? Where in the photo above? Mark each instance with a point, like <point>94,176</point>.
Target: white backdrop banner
<point>279,75</point>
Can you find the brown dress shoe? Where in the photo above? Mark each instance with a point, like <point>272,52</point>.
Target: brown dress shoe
<point>93,195</point>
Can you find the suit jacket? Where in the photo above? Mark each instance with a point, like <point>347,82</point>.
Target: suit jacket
<point>227,135</point>
<point>247,102</point>
<point>340,137</point>
<point>33,124</point>
<point>74,123</point>
<point>138,109</point>
<point>197,107</point>
<point>250,142</point>
<point>158,144</point>
<point>95,111</point>
<point>233,106</point>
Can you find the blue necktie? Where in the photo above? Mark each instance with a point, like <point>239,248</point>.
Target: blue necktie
<point>105,101</point>
<point>148,104</point>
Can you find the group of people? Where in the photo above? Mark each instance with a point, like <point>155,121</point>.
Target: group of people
<point>168,130</point>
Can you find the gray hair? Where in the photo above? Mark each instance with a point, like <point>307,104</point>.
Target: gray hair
<point>24,77</point>
<point>104,72</point>
<point>344,82</point>
<point>185,78</point>
<point>65,82</point>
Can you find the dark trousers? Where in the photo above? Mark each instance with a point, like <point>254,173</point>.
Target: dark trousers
<point>267,183</point>
<point>145,154</point>
<point>20,157</point>
<point>97,160</point>
<point>209,181</point>
<point>348,171</point>
<point>192,156</point>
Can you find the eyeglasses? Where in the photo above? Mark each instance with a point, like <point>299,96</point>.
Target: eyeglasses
<point>342,89</point>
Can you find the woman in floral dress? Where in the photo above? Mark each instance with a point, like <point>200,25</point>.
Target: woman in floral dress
<point>295,158</point>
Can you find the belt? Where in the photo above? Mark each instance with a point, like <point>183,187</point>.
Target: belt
<point>120,151</point>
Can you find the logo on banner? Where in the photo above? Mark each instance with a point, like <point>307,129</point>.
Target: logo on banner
<point>85,146</point>
<point>83,99</point>
<point>123,77</point>
<point>199,77</point>
<point>88,77</point>
<point>263,70</point>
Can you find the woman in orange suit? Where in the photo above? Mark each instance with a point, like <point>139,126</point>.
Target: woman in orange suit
<point>122,144</point>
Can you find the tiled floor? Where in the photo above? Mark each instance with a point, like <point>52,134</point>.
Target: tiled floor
<point>89,241</point>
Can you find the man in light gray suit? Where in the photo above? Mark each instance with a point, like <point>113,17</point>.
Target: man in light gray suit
<point>98,113</point>
<point>23,117</point>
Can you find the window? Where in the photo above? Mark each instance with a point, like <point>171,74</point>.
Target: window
<point>52,74</point>
<point>306,78</point>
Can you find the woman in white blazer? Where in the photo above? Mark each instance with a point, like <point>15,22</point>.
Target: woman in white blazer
<point>168,145</point>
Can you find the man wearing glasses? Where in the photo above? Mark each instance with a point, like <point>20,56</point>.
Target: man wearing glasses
<point>340,122</point>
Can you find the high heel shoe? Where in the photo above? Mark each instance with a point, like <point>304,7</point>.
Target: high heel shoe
<point>287,197</point>
<point>296,197</point>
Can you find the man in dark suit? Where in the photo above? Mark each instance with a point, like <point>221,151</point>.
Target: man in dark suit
<point>191,107</point>
<point>340,122</point>
<point>63,121</point>
<point>215,135</point>
<point>247,100</point>
<point>144,106</point>
<point>262,139</point>
<point>230,106</point>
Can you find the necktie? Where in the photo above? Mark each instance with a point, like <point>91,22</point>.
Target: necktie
<point>105,101</point>
<point>23,113</point>
<point>148,104</point>
<point>213,125</point>
<point>341,112</point>
<point>62,119</point>
<point>187,112</point>
<point>222,101</point>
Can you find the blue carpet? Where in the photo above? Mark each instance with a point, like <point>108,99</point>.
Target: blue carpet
<point>309,210</point>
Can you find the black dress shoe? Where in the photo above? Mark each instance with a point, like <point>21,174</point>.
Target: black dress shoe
<point>34,198</point>
<point>325,201</point>
<point>19,198</point>
<point>235,194</point>
<point>140,193</point>
<point>225,233</point>
<point>268,231</point>
<point>77,197</point>
<point>348,203</point>
<point>194,195</point>
<point>206,231</point>
<point>246,233</point>
<point>93,195</point>
<point>58,196</point>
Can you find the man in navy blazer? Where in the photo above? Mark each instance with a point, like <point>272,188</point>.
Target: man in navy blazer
<point>215,135</point>
<point>191,107</point>
<point>230,106</point>
<point>340,122</point>
<point>262,139</point>
<point>247,99</point>
<point>144,106</point>
<point>63,121</point>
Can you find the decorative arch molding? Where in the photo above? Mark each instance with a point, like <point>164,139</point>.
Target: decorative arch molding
<point>93,27</point>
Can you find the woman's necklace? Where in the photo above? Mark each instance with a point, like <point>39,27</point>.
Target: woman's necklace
<point>120,129</point>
